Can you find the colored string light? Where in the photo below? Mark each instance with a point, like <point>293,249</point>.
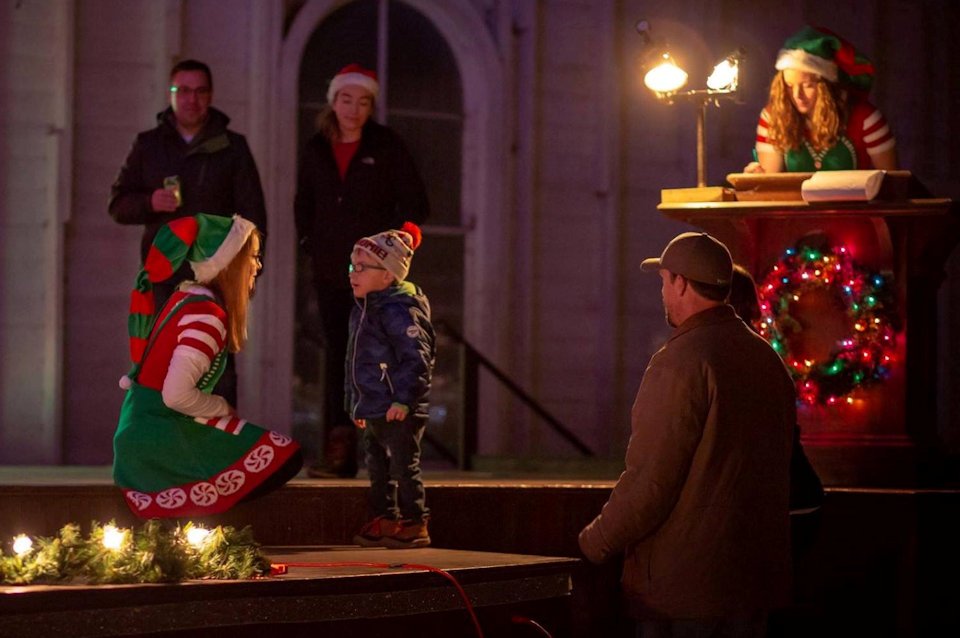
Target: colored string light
<point>859,359</point>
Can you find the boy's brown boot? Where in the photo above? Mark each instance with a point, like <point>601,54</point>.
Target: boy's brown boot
<point>409,535</point>
<point>375,532</point>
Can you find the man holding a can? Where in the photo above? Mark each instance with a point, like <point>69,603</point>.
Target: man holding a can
<point>189,163</point>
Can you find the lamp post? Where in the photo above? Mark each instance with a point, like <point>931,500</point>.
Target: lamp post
<point>666,79</point>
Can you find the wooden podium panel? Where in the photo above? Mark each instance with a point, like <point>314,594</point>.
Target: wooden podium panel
<point>888,435</point>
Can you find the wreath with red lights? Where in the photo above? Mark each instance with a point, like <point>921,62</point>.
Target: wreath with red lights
<point>861,358</point>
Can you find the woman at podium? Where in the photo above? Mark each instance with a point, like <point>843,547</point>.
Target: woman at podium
<point>817,116</point>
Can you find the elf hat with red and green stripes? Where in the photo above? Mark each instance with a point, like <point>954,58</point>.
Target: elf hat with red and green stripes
<point>821,51</point>
<point>208,242</point>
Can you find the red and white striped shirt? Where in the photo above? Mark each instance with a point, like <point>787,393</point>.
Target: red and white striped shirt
<point>183,352</point>
<point>867,129</point>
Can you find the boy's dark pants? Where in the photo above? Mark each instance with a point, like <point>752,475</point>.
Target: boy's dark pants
<point>393,462</point>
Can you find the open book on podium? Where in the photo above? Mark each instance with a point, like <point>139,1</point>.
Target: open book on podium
<point>823,186</point>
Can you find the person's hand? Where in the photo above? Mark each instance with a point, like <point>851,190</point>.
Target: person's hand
<point>753,167</point>
<point>231,411</point>
<point>360,423</point>
<point>397,412</point>
<point>163,201</point>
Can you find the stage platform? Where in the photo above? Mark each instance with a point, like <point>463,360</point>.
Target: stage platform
<point>334,600</point>
<point>884,562</point>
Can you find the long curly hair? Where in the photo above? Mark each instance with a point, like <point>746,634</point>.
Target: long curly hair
<point>233,286</point>
<point>786,129</point>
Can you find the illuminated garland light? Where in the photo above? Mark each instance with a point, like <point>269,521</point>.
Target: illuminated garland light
<point>153,554</point>
<point>861,358</point>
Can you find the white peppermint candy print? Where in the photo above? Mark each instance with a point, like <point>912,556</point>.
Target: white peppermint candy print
<point>204,494</point>
<point>260,458</point>
<point>230,481</point>
<point>280,440</point>
<point>141,500</point>
<point>172,498</point>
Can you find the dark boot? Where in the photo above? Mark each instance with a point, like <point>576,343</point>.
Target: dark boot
<point>340,454</point>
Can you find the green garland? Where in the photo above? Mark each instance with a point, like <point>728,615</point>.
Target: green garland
<point>153,554</point>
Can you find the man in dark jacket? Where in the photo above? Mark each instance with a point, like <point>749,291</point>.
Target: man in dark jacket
<point>356,179</point>
<point>701,511</point>
<point>190,163</point>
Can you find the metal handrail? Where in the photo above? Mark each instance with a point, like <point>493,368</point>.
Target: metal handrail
<point>473,359</point>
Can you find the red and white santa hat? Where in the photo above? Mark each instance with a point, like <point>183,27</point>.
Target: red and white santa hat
<point>356,75</point>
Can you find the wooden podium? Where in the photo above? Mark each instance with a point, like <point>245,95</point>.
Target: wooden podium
<point>888,436</point>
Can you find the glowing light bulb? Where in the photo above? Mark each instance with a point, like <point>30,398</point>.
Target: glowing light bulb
<point>725,76</point>
<point>666,77</point>
<point>113,538</point>
<point>22,544</point>
<point>197,536</point>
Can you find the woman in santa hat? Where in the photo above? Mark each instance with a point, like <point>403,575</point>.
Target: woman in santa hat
<point>356,179</point>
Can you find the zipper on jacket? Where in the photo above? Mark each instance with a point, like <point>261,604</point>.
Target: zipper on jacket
<point>385,376</point>
<point>353,363</point>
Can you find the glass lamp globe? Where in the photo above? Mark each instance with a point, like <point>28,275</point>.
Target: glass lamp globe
<point>724,76</point>
<point>666,77</point>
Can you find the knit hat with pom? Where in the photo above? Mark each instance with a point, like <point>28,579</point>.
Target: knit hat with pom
<point>393,249</point>
<point>208,242</point>
<point>353,74</point>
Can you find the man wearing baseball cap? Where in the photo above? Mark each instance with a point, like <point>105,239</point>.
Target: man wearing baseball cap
<point>701,510</point>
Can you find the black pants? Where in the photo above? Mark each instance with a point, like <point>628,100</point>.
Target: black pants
<point>335,306</point>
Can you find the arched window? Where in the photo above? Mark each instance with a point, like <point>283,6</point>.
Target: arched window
<point>421,99</point>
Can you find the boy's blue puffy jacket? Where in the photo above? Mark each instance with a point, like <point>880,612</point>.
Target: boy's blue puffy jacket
<point>390,353</point>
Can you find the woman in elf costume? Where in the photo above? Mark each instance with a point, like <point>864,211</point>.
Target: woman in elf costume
<point>817,116</point>
<point>179,450</point>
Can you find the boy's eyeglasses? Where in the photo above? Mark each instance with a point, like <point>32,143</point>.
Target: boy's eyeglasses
<point>359,268</point>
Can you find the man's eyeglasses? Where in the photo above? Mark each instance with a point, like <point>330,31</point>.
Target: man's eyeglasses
<point>187,91</point>
<point>359,268</point>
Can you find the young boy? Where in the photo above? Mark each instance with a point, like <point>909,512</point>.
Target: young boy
<point>390,355</point>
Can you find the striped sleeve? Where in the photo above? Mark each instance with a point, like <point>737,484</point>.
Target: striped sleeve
<point>202,329</point>
<point>231,424</point>
<point>877,136</point>
<point>763,144</point>
<point>200,337</point>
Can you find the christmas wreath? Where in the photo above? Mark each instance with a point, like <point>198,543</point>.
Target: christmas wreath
<point>863,357</point>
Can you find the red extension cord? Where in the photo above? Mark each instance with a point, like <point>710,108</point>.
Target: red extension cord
<point>277,569</point>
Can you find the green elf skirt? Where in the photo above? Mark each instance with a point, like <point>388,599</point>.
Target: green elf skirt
<point>172,465</point>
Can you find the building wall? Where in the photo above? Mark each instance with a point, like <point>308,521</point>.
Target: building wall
<point>584,154</point>
<point>36,43</point>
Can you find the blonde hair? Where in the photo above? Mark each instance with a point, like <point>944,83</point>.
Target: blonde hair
<point>233,286</point>
<point>327,124</point>
<point>786,128</point>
